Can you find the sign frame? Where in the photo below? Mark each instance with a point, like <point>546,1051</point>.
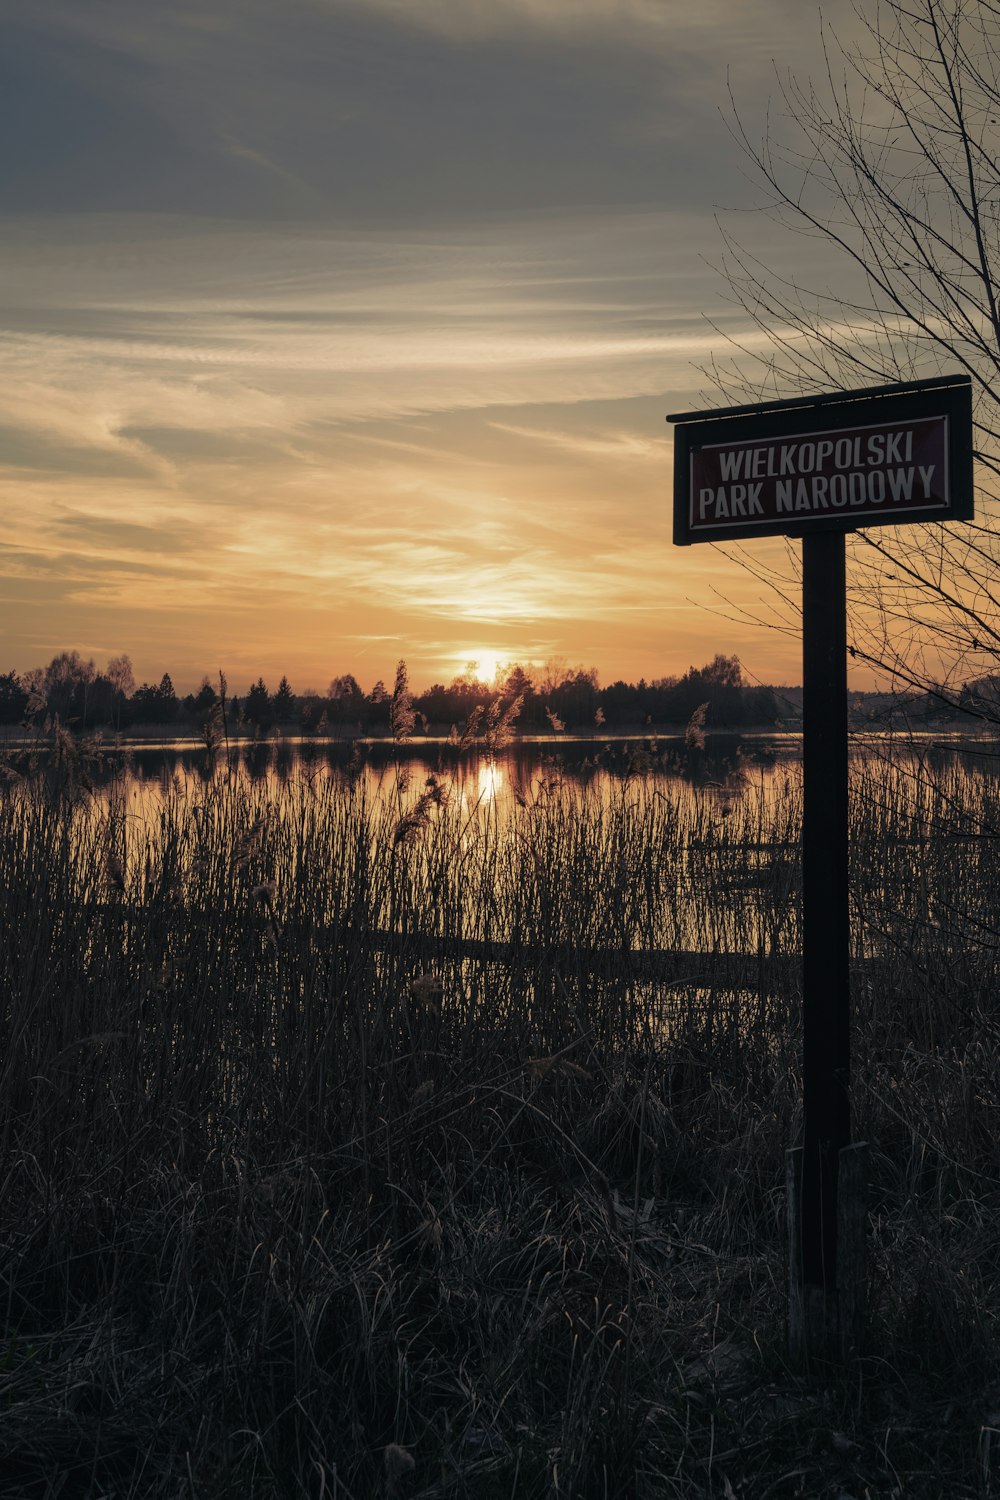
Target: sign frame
<point>826,1172</point>
<point>948,397</point>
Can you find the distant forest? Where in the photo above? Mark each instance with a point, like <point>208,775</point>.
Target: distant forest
<point>72,692</point>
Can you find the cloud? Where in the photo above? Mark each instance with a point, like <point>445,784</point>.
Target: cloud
<point>667,25</point>
<point>361,318</point>
<point>620,447</point>
<point>116,342</point>
<point>339,330</point>
<point>375,111</point>
<point>359,435</point>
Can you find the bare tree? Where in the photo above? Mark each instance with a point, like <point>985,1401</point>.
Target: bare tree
<point>890,167</point>
<point>122,679</point>
<point>66,684</point>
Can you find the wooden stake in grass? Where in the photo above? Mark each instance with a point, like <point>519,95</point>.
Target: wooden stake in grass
<point>398,1462</point>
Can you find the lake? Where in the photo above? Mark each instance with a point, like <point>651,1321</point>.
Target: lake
<point>637,847</point>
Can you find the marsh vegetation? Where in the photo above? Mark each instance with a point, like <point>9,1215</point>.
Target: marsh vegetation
<point>422,1133</point>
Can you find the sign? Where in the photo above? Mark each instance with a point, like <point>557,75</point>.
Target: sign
<point>817,468</point>
<point>883,457</point>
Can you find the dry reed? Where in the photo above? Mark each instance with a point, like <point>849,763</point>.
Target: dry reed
<point>300,1198</point>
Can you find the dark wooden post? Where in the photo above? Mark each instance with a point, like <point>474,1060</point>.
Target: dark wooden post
<point>824,1171</point>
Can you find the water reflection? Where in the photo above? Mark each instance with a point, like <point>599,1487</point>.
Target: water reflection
<point>588,851</point>
<point>490,781</point>
<point>526,772</point>
<point>526,768</point>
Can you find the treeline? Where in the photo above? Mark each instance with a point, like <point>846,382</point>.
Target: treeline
<point>72,691</point>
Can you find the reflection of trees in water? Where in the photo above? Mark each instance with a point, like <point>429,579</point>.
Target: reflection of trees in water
<point>257,760</point>
<point>284,760</point>
<point>206,766</point>
<point>523,763</point>
<point>722,767</point>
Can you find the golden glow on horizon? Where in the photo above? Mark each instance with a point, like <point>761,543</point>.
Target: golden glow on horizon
<point>484,666</point>
<point>490,782</point>
<point>203,495</point>
<point>276,406</point>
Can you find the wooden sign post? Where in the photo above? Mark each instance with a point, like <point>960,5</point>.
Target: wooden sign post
<point>817,468</point>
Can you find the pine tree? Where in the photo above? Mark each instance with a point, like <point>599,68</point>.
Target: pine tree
<point>283,704</point>
<point>166,700</point>
<point>257,705</point>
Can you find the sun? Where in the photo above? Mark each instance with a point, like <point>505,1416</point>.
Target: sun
<point>485,665</point>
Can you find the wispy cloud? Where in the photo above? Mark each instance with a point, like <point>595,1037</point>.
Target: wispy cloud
<point>310,347</point>
<point>391,438</point>
<point>618,447</point>
<point>665,24</point>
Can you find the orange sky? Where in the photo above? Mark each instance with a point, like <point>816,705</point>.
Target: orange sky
<point>320,353</point>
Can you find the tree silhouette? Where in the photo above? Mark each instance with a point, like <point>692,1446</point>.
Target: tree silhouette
<point>346,701</point>
<point>205,698</point>
<point>718,685</point>
<point>167,700</point>
<point>893,165</point>
<point>284,702</point>
<point>65,684</point>
<point>257,705</point>
<point>122,679</point>
<point>13,698</point>
<point>67,687</point>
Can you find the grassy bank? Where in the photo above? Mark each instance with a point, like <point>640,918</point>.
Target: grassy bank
<point>288,1211</point>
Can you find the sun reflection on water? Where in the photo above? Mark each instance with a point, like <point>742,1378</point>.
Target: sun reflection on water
<point>490,781</point>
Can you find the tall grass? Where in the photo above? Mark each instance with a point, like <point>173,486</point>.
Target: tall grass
<point>303,1197</point>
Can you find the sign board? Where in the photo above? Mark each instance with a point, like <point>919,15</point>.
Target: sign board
<point>815,469</point>
<point>887,456</point>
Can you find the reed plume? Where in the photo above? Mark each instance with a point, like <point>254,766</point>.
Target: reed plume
<point>694,734</point>
<point>401,715</point>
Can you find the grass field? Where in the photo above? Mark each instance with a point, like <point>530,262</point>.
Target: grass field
<point>299,1200</point>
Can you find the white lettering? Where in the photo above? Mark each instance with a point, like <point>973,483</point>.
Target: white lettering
<point>731,464</point>
<point>783,490</point>
<point>900,484</point>
<point>876,448</point>
<point>926,475</point>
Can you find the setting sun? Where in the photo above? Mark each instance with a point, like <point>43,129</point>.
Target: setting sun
<point>485,665</point>
<point>278,406</point>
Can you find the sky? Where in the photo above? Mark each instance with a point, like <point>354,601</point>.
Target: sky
<point>340,331</point>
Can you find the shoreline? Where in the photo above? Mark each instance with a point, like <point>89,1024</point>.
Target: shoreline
<point>159,738</point>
